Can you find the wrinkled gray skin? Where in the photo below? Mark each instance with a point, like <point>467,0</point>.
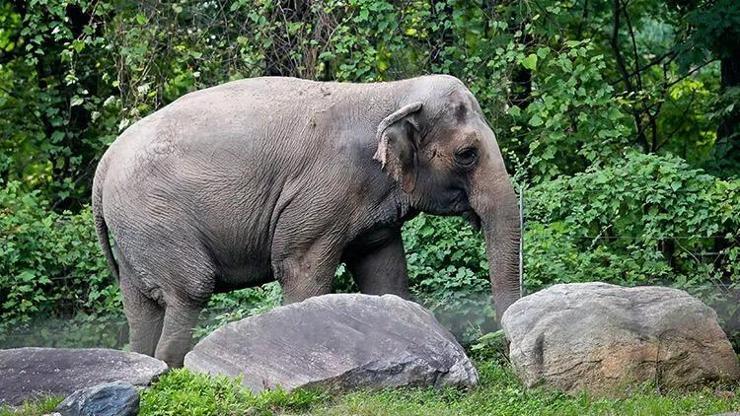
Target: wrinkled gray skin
<point>282,179</point>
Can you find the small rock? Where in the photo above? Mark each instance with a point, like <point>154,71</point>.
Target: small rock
<point>339,341</point>
<point>108,399</point>
<point>27,373</point>
<point>600,337</point>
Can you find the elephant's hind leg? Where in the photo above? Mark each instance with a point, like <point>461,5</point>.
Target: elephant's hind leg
<point>189,286</point>
<point>144,315</point>
<point>179,320</point>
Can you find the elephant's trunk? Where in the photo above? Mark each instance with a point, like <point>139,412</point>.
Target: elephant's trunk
<point>496,205</point>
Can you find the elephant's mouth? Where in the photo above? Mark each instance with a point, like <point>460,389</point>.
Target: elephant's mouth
<point>473,219</point>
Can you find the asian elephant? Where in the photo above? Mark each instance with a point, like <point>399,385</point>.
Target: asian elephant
<point>282,179</point>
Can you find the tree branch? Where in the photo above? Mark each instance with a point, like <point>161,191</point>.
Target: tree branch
<point>615,46</point>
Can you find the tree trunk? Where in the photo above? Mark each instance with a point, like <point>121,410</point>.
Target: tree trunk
<point>727,147</point>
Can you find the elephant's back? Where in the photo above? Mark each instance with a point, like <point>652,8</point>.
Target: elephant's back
<point>218,158</point>
<point>200,132</point>
<point>242,115</point>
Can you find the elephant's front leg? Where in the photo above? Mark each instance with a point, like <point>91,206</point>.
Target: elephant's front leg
<point>306,270</point>
<point>382,269</point>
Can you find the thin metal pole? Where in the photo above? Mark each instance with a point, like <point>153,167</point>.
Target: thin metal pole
<point>521,240</point>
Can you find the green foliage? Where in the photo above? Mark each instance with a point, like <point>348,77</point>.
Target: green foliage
<point>711,27</point>
<point>572,117</point>
<point>57,110</point>
<point>50,264</point>
<point>648,221</point>
<point>555,84</point>
<point>688,100</point>
<point>33,408</point>
<point>490,346</point>
<point>448,272</point>
<point>635,208</point>
<point>182,392</point>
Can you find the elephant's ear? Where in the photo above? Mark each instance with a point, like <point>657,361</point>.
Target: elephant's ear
<point>397,146</point>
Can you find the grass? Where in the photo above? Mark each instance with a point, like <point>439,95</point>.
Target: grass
<point>33,408</point>
<point>500,393</point>
<point>181,392</point>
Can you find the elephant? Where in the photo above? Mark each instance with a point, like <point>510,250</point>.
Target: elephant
<point>278,178</point>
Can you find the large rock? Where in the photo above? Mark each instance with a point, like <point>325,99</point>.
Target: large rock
<point>600,338</point>
<point>337,341</point>
<point>30,372</point>
<point>107,399</point>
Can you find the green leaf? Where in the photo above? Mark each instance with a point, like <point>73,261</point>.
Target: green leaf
<point>536,121</point>
<point>57,136</point>
<point>26,276</point>
<point>530,62</point>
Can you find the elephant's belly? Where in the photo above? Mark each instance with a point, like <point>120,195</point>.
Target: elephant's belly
<point>240,276</point>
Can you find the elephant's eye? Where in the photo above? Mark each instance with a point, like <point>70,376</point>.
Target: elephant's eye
<point>466,157</point>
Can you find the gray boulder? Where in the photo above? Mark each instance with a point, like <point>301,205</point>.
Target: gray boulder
<point>600,338</point>
<point>31,372</point>
<point>108,399</point>
<point>340,341</point>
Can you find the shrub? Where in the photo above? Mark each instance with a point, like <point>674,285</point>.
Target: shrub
<point>651,220</point>
<point>50,264</point>
<point>448,273</point>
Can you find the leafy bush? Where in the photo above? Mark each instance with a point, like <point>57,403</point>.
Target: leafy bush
<point>50,264</point>
<point>573,119</point>
<point>489,347</point>
<point>448,273</point>
<point>651,220</point>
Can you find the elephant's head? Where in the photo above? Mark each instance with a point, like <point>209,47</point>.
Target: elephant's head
<point>444,155</point>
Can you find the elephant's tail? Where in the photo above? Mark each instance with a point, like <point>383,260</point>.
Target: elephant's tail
<point>101,228</point>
